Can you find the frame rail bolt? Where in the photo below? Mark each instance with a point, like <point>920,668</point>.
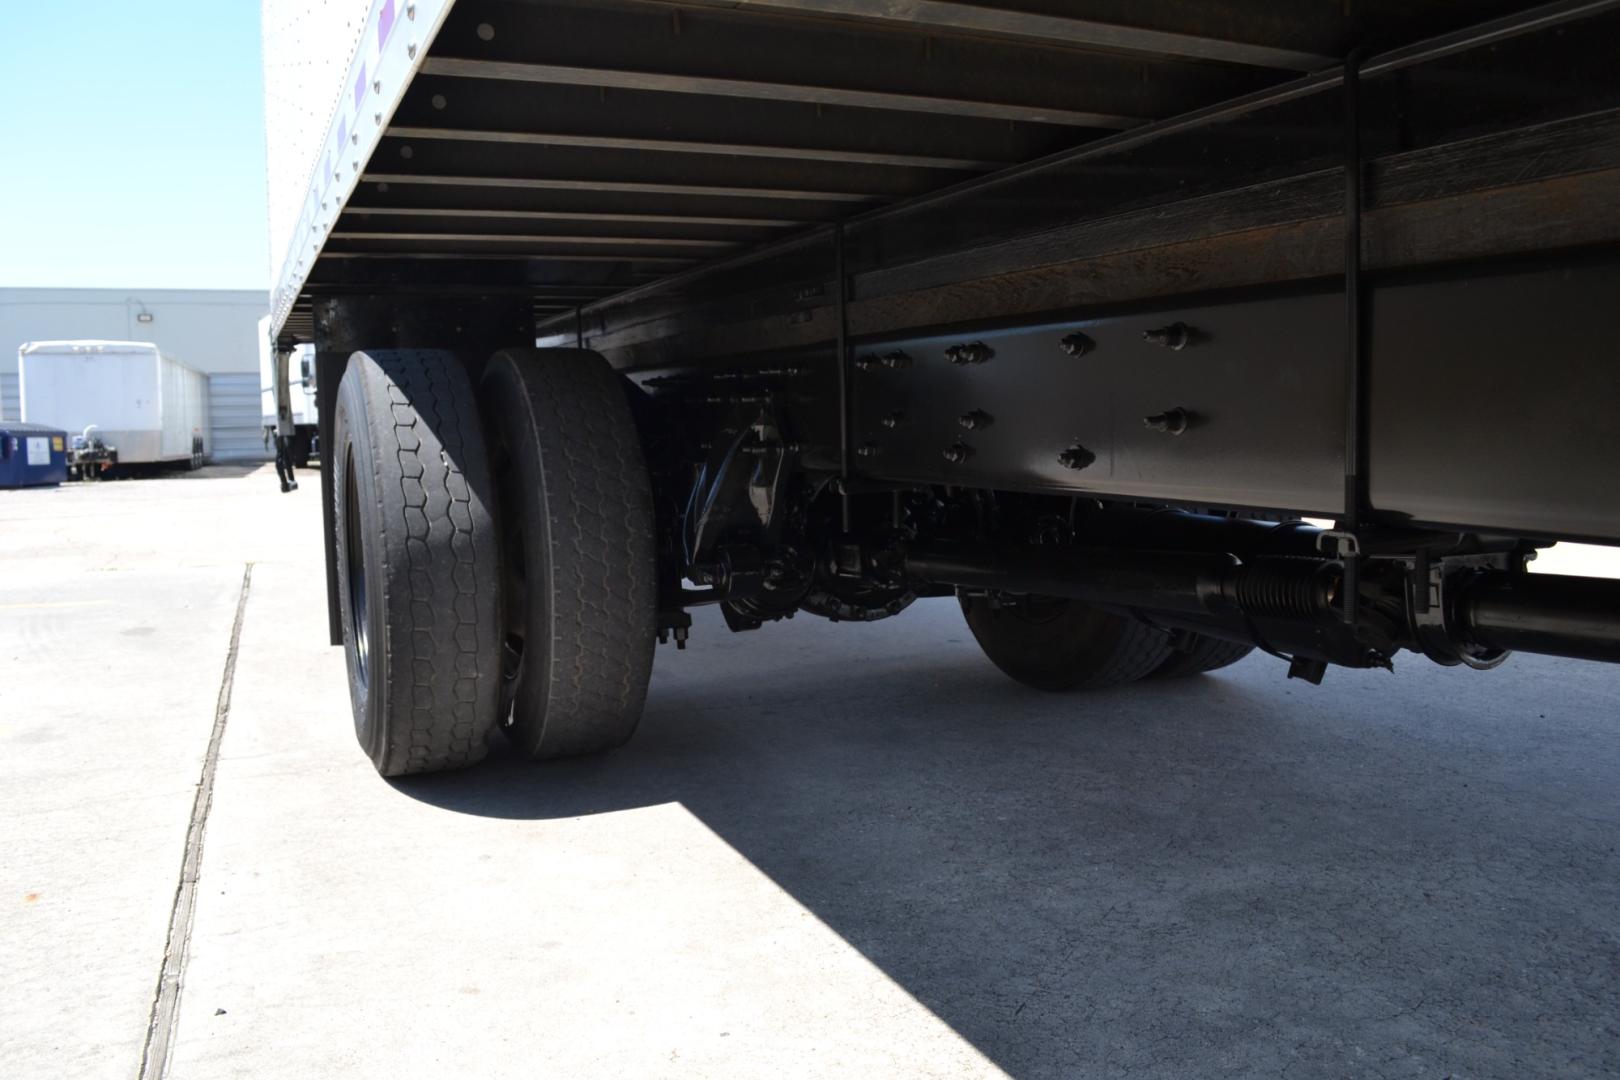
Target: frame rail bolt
<point>1077,344</point>
<point>972,352</point>
<point>977,420</point>
<point>957,453</point>
<point>894,419</point>
<point>1176,336</point>
<point>1076,457</point>
<point>894,361</point>
<point>1173,422</point>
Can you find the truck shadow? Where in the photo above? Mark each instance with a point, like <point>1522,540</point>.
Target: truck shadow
<point>1076,884</point>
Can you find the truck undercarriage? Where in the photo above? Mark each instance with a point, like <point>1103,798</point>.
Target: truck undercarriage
<point>1069,310</point>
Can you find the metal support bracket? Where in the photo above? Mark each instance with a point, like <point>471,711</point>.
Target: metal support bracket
<point>1339,544</point>
<point>845,403</point>
<point>1349,546</point>
<point>284,421</point>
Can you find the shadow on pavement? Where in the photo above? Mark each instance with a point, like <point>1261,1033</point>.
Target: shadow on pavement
<point>1229,874</point>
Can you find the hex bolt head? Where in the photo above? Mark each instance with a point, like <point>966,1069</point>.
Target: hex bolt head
<point>977,420</point>
<point>1077,344</point>
<point>894,419</point>
<point>1076,457</point>
<point>896,361</point>
<point>957,453</point>
<point>1173,422</point>
<point>866,362</point>
<point>972,352</point>
<point>869,450</point>
<point>1176,336</point>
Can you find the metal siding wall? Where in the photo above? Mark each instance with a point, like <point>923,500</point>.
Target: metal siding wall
<point>233,418</point>
<point>10,396</point>
<point>206,329</point>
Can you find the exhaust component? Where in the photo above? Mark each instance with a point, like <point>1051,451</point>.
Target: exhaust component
<point>1472,611</point>
<point>1284,603</point>
<point>1556,615</point>
<point>1160,580</point>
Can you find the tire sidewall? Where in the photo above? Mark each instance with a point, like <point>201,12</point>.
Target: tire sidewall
<point>510,423</point>
<point>588,545</point>
<point>355,451</point>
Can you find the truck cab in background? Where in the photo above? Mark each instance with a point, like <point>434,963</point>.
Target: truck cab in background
<point>301,397</point>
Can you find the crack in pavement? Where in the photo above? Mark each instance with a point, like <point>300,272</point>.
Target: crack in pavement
<point>166,1000</point>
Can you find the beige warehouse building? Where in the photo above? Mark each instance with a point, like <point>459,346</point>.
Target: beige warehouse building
<point>211,330</point>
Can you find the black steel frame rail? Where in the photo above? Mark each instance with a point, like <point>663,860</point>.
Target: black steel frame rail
<point>772,91</point>
<point>1439,47</point>
<point>690,146</point>
<point>634,187</point>
<point>1050,29</point>
<point>493,213</point>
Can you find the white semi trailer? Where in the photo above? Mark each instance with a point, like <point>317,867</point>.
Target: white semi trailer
<point>147,406</point>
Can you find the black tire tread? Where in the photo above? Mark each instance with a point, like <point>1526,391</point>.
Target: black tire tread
<point>439,669</point>
<point>1138,654</point>
<point>1081,649</point>
<point>600,553</point>
<point>1200,655</point>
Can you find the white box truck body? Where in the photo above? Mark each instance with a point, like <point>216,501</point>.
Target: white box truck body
<point>829,305</point>
<point>148,406</point>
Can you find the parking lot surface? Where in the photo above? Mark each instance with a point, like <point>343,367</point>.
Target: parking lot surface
<point>831,850</point>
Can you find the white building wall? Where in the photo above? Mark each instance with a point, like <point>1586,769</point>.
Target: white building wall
<point>233,417</point>
<point>211,330</point>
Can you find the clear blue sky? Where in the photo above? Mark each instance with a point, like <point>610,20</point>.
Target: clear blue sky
<point>132,144</point>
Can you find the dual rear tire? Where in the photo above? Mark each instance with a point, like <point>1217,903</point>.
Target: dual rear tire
<point>1057,645</point>
<point>494,556</point>
<point>496,566</point>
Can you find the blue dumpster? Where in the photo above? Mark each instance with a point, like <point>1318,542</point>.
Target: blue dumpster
<point>31,455</point>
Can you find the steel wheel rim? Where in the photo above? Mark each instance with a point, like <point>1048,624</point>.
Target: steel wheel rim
<point>355,557</point>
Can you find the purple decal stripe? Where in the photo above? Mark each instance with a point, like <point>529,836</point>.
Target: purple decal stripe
<point>385,23</point>
<point>360,86</point>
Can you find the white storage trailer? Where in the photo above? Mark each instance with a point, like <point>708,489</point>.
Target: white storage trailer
<point>149,407</point>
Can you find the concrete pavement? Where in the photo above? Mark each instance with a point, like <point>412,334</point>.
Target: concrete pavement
<point>830,851</point>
